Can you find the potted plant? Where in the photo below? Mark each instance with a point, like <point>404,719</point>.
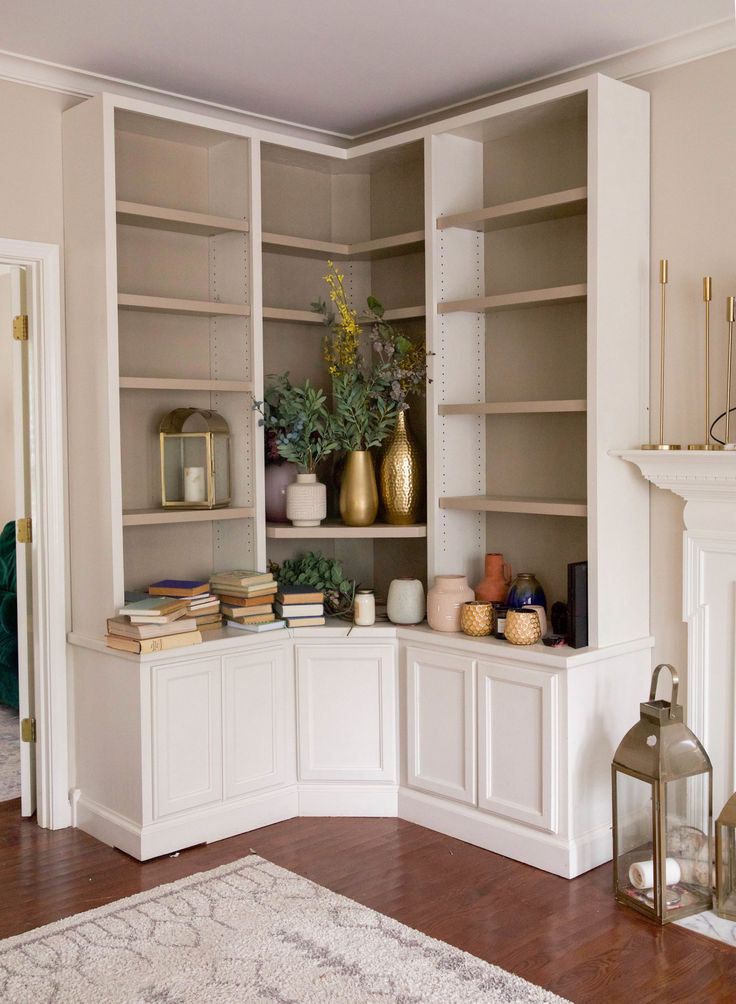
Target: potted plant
<point>302,429</point>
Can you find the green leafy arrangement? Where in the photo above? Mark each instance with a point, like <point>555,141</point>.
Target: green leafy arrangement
<point>297,421</point>
<point>324,575</point>
<point>363,415</point>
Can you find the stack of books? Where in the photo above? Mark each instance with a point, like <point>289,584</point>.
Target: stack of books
<point>246,599</point>
<point>300,606</point>
<point>155,624</point>
<point>202,605</point>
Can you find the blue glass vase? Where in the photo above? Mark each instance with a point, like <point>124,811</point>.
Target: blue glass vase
<point>526,591</point>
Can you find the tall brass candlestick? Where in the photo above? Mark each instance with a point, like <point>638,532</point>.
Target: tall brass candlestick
<point>663,276</point>
<point>729,318</point>
<point>707,297</point>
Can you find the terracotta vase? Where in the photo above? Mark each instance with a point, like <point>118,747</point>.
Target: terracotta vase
<point>494,585</point>
<point>358,491</point>
<point>445,602</point>
<point>401,476</point>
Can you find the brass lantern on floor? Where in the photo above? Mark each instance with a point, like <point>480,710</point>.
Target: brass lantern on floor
<point>195,459</point>
<point>726,861</point>
<point>662,813</point>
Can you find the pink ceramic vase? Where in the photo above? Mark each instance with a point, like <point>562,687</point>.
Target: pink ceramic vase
<point>494,586</point>
<point>445,602</point>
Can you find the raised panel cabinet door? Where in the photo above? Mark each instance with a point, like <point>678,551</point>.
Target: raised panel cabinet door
<point>441,723</point>
<point>187,735</point>
<point>517,744</point>
<point>256,711</point>
<point>346,699</point>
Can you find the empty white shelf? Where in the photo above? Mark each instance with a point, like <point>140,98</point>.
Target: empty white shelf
<point>152,517</point>
<point>515,301</point>
<point>169,383</point>
<point>175,305</point>
<point>334,530</point>
<point>381,247</point>
<point>136,214</point>
<point>514,408</point>
<point>554,206</point>
<point>500,503</point>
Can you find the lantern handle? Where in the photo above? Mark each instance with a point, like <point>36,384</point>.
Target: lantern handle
<point>675,685</point>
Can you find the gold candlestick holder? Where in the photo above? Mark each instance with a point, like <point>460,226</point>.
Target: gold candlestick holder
<point>661,445</point>
<point>706,444</point>
<point>728,445</point>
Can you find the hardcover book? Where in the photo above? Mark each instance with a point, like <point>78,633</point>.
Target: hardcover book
<point>146,646</point>
<point>178,587</point>
<point>298,594</point>
<point>245,601</point>
<point>264,626</point>
<point>299,609</point>
<point>232,610</point>
<point>241,577</point>
<point>252,619</point>
<point>295,622</point>
<point>154,606</point>
<point>124,628</point>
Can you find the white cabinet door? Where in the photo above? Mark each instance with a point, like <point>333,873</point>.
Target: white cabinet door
<point>257,709</point>
<point>517,743</point>
<point>187,735</point>
<point>346,696</point>
<point>441,723</point>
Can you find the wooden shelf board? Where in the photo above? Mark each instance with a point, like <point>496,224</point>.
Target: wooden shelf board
<point>516,301</point>
<point>500,503</point>
<point>174,305</point>
<point>165,383</point>
<point>289,316</point>
<point>514,408</point>
<point>152,517</point>
<point>333,529</point>
<point>382,247</point>
<point>136,214</point>
<point>554,206</point>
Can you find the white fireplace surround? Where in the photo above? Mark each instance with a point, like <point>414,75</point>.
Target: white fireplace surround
<point>707,482</point>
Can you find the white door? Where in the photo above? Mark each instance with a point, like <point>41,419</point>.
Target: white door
<point>441,723</point>
<point>517,743</point>
<point>23,558</point>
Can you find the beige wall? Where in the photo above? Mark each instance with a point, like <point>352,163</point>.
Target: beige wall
<point>7,461</point>
<point>693,204</point>
<point>693,209</point>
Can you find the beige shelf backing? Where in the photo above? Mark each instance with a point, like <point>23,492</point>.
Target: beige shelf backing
<point>173,305</point>
<point>152,517</point>
<point>555,206</point>
<point>516,301</point>
<point>500,503</point>
<point>382,247</point>
<point>334,530</point>
<point>514,408</point>
<point>166,383</point>
<point>136,214</point>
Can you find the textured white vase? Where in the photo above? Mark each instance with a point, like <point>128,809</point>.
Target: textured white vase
<point>405,603</point>
<point>306,501</point>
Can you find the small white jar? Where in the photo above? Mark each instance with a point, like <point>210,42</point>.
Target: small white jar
<point>364,610</point>
<point>405,603</point>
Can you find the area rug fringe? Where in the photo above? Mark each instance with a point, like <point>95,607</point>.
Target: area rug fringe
<point>247,931</point>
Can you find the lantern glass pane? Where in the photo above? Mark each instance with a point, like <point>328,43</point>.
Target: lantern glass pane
<point>634,837</point>
<point>687,844</point>
<point>727,886</point>
<point>182,454</point>
<point>222,468</point>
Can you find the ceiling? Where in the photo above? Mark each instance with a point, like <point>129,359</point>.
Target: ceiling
<point>346,66</point>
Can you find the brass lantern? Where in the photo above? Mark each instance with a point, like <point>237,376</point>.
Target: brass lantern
<point>726,861</point>
<point>662,813</point>
<point>195,459</point>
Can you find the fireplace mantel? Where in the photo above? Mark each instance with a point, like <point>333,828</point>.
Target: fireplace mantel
<point>707,482</point>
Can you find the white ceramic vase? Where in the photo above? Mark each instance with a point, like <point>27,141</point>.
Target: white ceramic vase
<point>306,501</point>
<point>405,604</point>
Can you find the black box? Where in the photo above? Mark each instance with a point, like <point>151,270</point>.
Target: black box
<point>577,604</point>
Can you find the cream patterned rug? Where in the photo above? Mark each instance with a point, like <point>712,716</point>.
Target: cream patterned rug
<point>248,931</point>
<point>9,754</point>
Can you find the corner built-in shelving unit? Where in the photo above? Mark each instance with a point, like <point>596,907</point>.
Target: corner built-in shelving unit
<point>539,362</point>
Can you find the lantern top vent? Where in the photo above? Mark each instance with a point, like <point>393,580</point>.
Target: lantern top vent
<point>196,420</point>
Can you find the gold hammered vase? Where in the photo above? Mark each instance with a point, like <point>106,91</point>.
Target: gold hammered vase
<point>477,618</point>
<point>358,491</point>
<point>402,477</point>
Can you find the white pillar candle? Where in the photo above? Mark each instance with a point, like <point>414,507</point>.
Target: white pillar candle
<point>194,490</point>
<point>641,874</point>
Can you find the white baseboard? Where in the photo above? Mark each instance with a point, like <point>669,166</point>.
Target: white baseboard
<point>205,825</point>
<point>348,799</point>
<point>567,858</point>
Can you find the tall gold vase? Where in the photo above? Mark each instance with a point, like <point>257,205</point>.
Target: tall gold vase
<point>358,491</point>
<point>402,476</point>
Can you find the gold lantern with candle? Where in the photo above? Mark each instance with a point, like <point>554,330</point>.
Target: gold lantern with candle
<point>662,813</point>
<point>195,459</point>
<point>725,900</point>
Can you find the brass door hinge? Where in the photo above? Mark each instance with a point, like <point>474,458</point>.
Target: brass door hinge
<point>20,328</point>
<point>24,530</point>
<point>28,730</point>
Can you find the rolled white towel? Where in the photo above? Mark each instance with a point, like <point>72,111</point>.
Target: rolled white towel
<point>641,874</point>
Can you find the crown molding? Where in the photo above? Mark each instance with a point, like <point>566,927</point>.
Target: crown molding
<point>708,40</point>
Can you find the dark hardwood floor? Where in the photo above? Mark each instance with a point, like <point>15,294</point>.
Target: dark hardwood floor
<point>567,936</point>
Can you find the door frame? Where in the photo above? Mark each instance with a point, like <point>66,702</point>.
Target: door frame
<point>48,512</point>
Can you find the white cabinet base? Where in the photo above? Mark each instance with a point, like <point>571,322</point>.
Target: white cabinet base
<point>348,799</point>
<point>567,858</point>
